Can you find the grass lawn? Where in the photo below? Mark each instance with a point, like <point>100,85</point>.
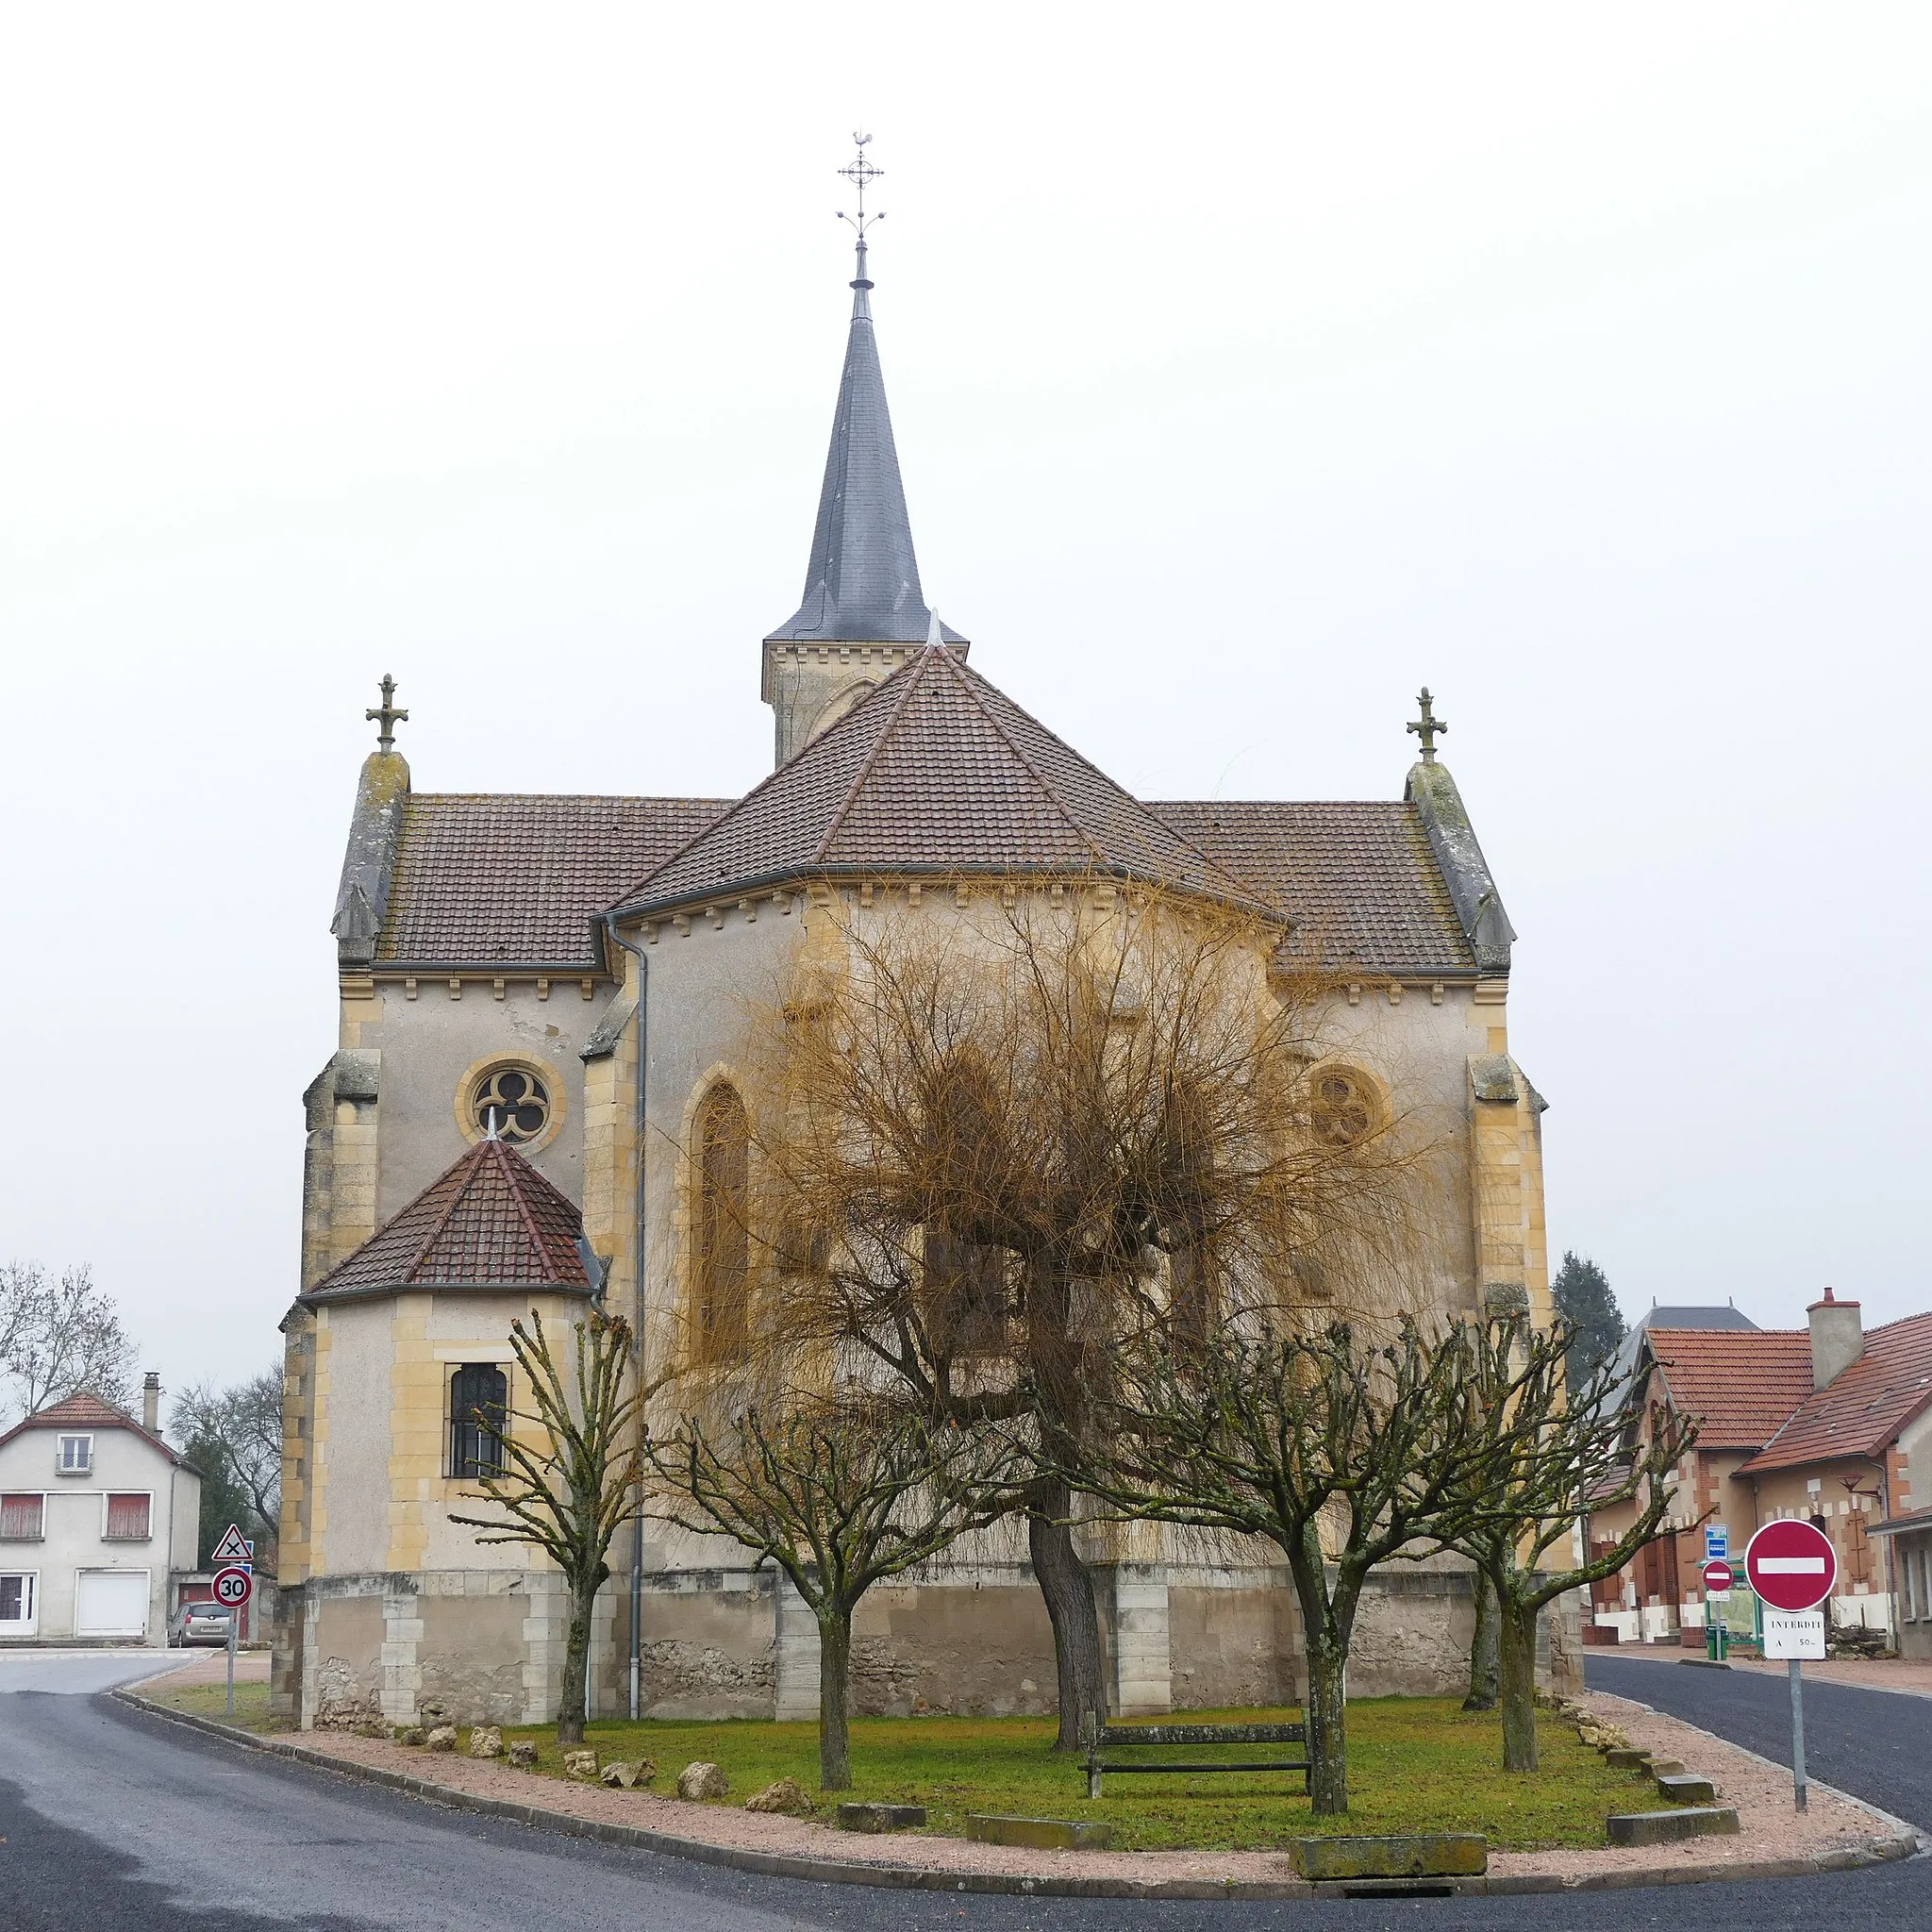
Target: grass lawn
<point>1415,1764</point>
<point>211,1700</point>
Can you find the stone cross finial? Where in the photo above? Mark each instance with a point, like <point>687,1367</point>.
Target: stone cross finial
<point>1426,728</point>
<point>388,717</point>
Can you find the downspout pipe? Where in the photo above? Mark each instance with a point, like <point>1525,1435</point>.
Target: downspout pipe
<point>637,1339</point>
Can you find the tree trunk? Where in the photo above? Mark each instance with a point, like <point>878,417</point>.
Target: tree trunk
<point>576,1653</point>
<point>1518,1633</point>
<point>1067,1587</point>
<point>835,1690</point>
<point>1327,1723</point>
<point>1485,1658</point>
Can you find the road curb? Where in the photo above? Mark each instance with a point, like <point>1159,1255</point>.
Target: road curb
<point>922,1879</point>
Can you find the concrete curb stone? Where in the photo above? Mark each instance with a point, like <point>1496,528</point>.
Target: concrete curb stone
<point>918,1878</point>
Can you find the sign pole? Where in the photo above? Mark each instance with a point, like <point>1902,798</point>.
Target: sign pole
<point>1798,1730</point>
<point>233,1615</point>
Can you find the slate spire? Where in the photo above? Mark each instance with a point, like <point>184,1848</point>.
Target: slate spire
<point>862,585</point>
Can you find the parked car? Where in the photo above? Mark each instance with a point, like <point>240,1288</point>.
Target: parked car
<point>202,1624</point>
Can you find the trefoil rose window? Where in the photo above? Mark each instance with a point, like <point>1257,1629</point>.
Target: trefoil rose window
<point>479,1420</point>
<point>129,1516</point>
<point>1342,1107</point>
<point>511,1103</point>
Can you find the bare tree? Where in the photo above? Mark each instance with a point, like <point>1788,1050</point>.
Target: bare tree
<point>1546,1455</point>
<point>239,1431</point>
<point>1341,1452</point>
<point>989,1147</point>
<point>570,1476</point>
<point>59,1335</point>
<point>839,1491</point>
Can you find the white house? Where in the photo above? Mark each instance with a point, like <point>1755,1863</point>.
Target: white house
<point>99,1517</point>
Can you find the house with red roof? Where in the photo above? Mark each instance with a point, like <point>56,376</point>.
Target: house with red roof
<point>98,1525</point>
<point>1826,1423</point>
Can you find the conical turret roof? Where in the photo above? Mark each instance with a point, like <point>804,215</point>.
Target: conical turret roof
<point>936,772</point>
<point>489,1220</point>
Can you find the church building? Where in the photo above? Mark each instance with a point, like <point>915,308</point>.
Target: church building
<point>534,1095</point>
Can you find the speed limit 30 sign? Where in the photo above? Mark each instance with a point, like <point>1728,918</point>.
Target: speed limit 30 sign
<point>232,1587</point>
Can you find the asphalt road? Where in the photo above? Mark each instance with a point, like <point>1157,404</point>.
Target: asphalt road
<point>111,1820</point>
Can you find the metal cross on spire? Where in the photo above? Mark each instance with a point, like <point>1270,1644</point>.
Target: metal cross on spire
<point>1427,725</point>
<point>388,717</point>
<point>862,173</point>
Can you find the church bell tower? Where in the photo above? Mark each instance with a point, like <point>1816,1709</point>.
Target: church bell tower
<point>863,614</point>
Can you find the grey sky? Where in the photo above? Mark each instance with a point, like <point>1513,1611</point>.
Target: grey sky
<point>1251,366</point>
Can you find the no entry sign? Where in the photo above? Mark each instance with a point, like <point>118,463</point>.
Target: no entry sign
<point>232,1587</point>
<point>1717,1578</point>
<point>1792,1565</point>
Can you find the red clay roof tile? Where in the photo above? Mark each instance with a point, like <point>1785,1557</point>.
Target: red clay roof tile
<point>1743,1384</point>
<point>1860,1413</point>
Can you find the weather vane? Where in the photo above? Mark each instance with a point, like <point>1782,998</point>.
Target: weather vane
<point>862,173</point>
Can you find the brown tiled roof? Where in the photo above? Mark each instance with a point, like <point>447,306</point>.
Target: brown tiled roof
<point>1358,879</point>
<point>493,1221</point>
<point>84,1409</point>
<point>516,878</point>
<point>937,771</point>
<point>1741,1384</point>
<point>1860,1413</point>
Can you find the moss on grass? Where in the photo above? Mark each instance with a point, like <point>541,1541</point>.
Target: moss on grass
<point>1415,1764</point>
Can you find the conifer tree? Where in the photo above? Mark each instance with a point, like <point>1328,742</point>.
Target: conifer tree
<point>1582,1294</point>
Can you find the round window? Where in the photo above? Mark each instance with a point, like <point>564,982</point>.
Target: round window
<point>510,1104</point>
<point>1345,1107</point>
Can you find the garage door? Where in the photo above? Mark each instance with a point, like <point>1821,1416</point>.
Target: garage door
<point>110,1603</point>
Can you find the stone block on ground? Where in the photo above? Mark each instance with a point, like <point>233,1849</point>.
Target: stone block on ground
<point>1685,1787</point>
<point>787,1796</point>
<point>373,1727</point>
<point>443,1738</point>
<point>622,1775</point>
<point>1667,1827</point>
<point>486,1740</point>
<point>702,1780</point>
<point>523,1754</point>
<point>1666,1766</point>
<point>580,1764</point>
<point>409,1734</point>
<point>881,1816</point>
<point>1039,1833</point>
<point>1626,1759</point>
<point>1429,1855</point>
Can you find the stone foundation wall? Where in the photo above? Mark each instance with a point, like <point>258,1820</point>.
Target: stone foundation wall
<point>486,1646</point>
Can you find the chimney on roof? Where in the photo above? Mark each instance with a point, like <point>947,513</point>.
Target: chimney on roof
<point>1838,1339</point>
<point>151,1401</point>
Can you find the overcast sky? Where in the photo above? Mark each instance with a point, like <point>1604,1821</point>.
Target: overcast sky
<point>1251,366</point>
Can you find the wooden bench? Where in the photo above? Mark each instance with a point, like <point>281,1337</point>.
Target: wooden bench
<point>1098,1737</point>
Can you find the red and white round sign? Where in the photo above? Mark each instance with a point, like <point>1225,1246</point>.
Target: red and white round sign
<point>1717,1577</point>
<point>1792,1565</point>
<point>232,1587</point>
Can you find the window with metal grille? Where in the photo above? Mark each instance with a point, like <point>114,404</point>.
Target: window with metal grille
<point>478,1420</point>
<point>22,1518</point>
<point>722,1275</point>
<point>76,1455</point>
<point>127,1517</point>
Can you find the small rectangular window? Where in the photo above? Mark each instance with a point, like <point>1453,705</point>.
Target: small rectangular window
<point>76,1455</point>
<point>23,1517</point>
<point>127,1517</point>
<point>478,1420</point>
<point>17,1604</point>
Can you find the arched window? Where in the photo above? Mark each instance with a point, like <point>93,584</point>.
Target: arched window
<point>478,1420</point>
<point>721,1277</point>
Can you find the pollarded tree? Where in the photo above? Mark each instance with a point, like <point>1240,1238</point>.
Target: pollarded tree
<point>570,1476</point>
<point>841,1491</point>
<point>1342,1452</point>
<point>1545,1455</point>
<point>990,1141</point>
